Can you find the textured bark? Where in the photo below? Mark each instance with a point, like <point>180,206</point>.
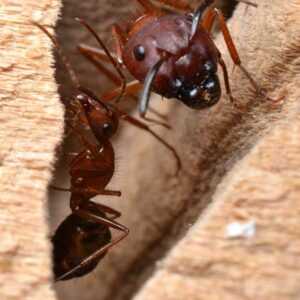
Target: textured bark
<point>31,126</point>
<point>232,168</point>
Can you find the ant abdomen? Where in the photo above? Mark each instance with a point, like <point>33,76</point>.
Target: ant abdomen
<point>74,240</point>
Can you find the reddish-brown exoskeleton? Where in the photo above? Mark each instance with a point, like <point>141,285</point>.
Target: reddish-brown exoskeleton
<point>121,114</point>
<point>174,55</point>
<point>84,237</point>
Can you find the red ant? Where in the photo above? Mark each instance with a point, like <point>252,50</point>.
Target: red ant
<point>84,237</point>
<point>174,55</point>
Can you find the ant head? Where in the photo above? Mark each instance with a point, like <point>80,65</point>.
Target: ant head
<point>102,119</point>
<point>174,62</point>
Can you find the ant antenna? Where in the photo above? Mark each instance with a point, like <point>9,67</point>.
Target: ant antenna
<point>63,58</point>
<point>145,96</point>
<point>69,68</point>
<point>115,64</point>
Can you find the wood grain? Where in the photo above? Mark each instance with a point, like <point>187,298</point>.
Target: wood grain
<point>238,166</point>
<point>31,126</point>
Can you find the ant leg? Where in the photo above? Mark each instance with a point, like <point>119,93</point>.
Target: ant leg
<point>97,218</point>
<point>94,51</point>
<point>149,7</point>
<point>208,20</point>
<point>87,190</point>
<point>183,5</point>
<point>150,120</point>
<point>226,79</point>
<point>91,57</point>
<point>154,111</point>
<point>106,209</point>
<point>116,80</point>
<point>113,62</point>
<point>120,40</point>
<point>135,122</point>
<point>98,192</point>
<point>132,88</point>
<point>248,3</point>
<point>197,16</point>
<point>177,4</point>
<point>124,86</point>
<point>235,56</point>
<point>111,193</point>
<point>227,85</point>
<point>90,54</point>
<point>57,188</point>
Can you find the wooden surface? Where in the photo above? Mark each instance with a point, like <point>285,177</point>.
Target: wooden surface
<point>31,125</point>
<point>238,166</point>
<point>260,182</point>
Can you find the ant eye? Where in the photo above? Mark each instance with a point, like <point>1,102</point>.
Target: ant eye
<point>107,129</point>
<point>139,52</point>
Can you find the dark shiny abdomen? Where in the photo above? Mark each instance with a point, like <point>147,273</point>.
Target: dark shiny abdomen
<point>74,240</point>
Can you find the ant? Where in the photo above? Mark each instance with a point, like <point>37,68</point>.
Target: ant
<point>84,237</point>
<point>174,55</point>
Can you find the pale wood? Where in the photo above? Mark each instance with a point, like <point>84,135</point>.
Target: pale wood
<point>157,207</point>
<point>31,119</point>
